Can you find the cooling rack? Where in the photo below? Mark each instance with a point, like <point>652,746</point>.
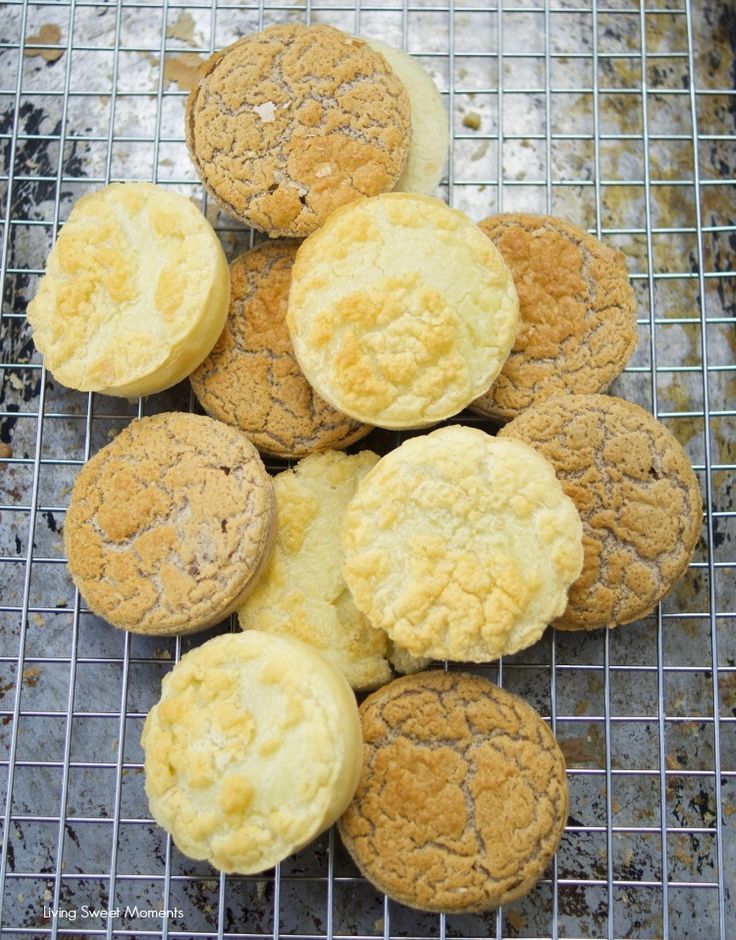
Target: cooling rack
<point>619,116</point>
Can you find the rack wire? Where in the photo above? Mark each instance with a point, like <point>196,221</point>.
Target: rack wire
<point>620,116</point>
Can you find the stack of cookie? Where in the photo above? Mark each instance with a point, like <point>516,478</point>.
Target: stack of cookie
<point>395,311</point>
<point>287,125</point>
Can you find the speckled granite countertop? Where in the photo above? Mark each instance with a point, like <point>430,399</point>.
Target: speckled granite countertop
<point>645,715</point>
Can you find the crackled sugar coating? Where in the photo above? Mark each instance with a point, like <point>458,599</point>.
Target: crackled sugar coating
<point>135,292</point>
<point>637,495</point>
<point>578,313</point>
<point>252,380</point>
<point>460,546</point>
<point>253,750</point>
<point>169,524</point>
<point>301,592</point>
<point>429,123</point>
<point>401,311</point>
<point>290,123</point>
<point>463,797</point>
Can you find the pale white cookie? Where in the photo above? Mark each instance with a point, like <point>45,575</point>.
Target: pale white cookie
<point>253,750</point>
<point>401,311</point>
<point>429,123</point>
<point>302,592</point>
<point>460,546</point>
<point>135,293</point>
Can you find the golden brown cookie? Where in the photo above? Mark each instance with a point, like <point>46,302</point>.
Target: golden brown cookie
<point>637,495</point>
<point>401,312</point>
<point>577,309</point>
<point>287,124</point>
<point>460,546</point>
<point>135,292</point>
<point>252,380</point>
<point>253,750</point>
<point>463,797</point>
<point>169,524</point>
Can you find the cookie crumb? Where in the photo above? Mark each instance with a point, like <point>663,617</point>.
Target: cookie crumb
<point>472,120</point>
<point>182,29</point>
<point>183,69</point>
<point>516,919</point>
<point>266,112</point>
<point>31,676</point>
<point>49,34</point>
<point>5,450</point>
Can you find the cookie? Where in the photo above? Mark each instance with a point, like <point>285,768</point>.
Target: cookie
<point>252,751</point>
<point>287,124</point>
<point>169,524</point>
<point>637,495</point>
<point>401,311</point>
<point>460,546</point>
<point>578,313</point>
<point>252,380</point>
<point>429,123</point>
<point>135,292</point>
<point>301,592</point>
<point>463,797</point>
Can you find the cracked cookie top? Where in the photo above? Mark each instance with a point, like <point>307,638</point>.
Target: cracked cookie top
<point>577,312</point>
<point>463,797</point>
<point>169,524</point>
<point>460,546</point>
<point>287,124</point>
<point>252,380</point>
<point>401,311</point>
<point>252,751</point>
<point>302,592</point>
<point>637,495</point>
<point>135,292</point>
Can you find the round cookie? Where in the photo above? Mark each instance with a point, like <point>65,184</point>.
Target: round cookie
<point>135,292</point>
<point>578,313</point>
<point>302,592</point>
<point>401,311</point>
<point>252,380</point>
<point>287,124</point>
<point>463,797</point>
<point>169,524</point>
<point>637,495</point>
<point>429,123</point>
<point>460,546</point>
<point>252,751</point>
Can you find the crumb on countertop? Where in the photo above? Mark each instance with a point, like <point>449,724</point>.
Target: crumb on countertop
<point>49,34</point>
<point>182,28</point>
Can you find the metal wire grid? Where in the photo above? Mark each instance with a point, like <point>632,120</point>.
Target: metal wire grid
<point>75,826</point>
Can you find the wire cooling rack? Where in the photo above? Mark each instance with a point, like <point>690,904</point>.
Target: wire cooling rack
<point>619,116</point>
